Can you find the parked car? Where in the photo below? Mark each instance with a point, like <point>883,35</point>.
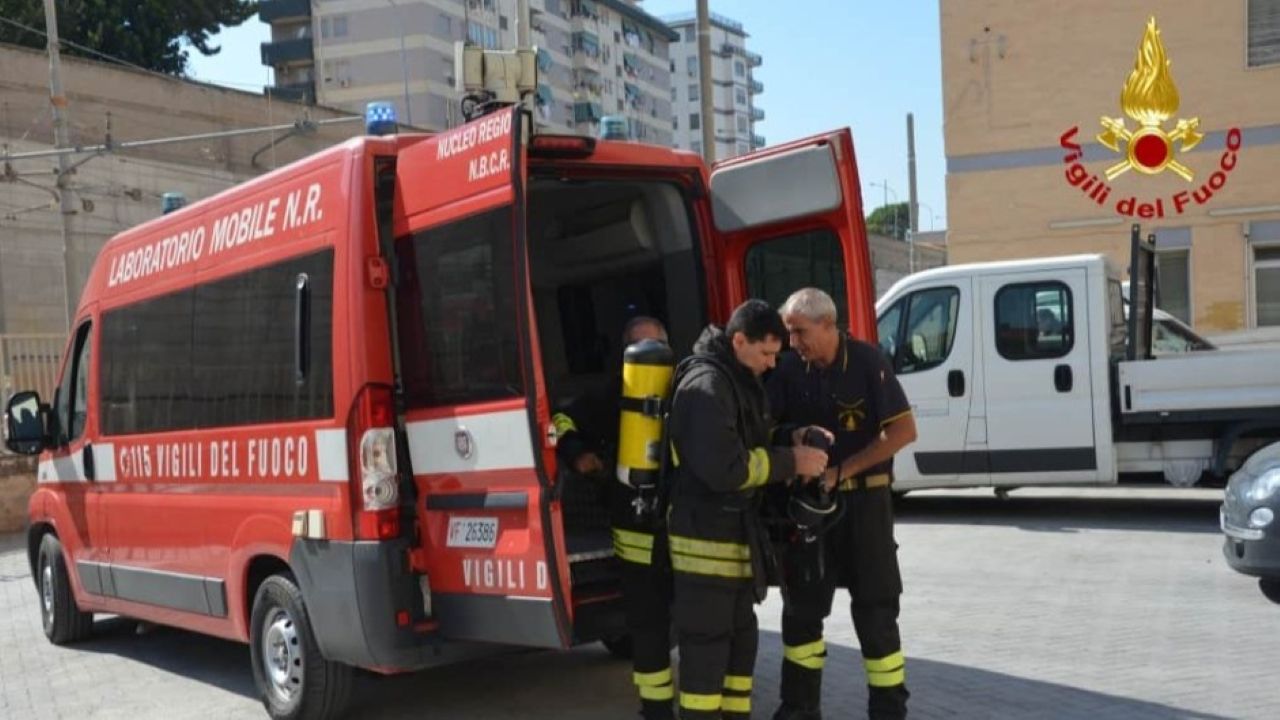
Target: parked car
<point>1249,511</point>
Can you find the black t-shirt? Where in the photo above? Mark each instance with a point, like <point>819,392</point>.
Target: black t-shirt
<point>854,397</point>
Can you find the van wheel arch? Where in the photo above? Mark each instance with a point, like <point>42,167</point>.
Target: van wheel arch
<point>260,568</point>
<point>35,536</point>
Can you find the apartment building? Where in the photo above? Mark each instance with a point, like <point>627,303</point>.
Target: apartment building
<point>733,84</point>
<point>1040,102</point>
<point>596,58</point>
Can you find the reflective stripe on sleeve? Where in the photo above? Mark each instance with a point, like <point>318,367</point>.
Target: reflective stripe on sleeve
<point>757,468</point>
<point>564,424</point>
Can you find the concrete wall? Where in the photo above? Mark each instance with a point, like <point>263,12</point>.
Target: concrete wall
<point>17,480</point>
<point>891,260</point>
<point>1017,75</point>
<point>119,190</point>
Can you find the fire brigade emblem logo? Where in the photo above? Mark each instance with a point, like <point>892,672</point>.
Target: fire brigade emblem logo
<point>850,415</point>
<point>1149,98</point>
<point>463,443</point>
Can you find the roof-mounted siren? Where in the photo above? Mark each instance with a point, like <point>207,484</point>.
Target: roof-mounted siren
<point>380,118</point>
<point>492,79</point>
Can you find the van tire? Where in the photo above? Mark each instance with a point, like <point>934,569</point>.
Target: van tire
<point>295,681</point>
<point>1270,587</point>
<point>60,615</point>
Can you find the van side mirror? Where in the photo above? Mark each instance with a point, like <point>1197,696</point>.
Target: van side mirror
<point>25,423</point>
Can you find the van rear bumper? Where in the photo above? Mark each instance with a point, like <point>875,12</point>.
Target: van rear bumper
<point>354,592</point>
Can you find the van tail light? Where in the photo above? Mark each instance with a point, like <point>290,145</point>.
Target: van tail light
<point>371,431</point>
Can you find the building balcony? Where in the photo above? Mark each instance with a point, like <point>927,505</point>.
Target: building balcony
<point>270,11</point>
<point>757,141</point>
<point>756,86</point>
<point>303,92</point>
<point>287,52</point>
<point>753,59</point>
<point>757,114</point>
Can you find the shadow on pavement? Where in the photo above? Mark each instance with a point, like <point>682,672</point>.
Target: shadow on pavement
<point>1064,513</point>
<point>589,684</point>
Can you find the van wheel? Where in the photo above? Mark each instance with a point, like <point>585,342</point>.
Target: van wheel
<point>618,646</point>
<point>296,682</point>
<point>1270,587</point>
<point>59,614</point>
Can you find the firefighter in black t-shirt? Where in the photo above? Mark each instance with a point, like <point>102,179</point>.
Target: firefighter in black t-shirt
<point>846,386</point>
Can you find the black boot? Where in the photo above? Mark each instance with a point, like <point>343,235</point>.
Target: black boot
<point>656,710</point>
<point>787,712</point>
<point>887,703</point>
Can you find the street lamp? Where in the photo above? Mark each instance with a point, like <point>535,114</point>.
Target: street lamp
<point>931,213</point>
<point>404,64</point>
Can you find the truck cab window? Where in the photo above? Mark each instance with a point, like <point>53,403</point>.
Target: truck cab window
<point>1034,321</point>
<point>887,330</point>
<point>930,329</point>
<point>778,267</point>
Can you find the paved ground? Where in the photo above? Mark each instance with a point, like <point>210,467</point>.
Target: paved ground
<point>1086,604</point>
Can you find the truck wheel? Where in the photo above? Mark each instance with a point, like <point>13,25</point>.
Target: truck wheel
<point>59,614</point>
<point>1270,587</point>
<point>296,682</point>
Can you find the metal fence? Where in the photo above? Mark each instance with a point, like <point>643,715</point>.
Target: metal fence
<point>29,362</point>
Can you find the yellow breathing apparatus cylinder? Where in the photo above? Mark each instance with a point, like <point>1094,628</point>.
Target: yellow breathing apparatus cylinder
<point>647,367</point>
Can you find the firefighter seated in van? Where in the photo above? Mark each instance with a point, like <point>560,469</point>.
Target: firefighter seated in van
<point>587,443</point>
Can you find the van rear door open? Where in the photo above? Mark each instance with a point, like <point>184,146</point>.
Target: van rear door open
<point>790,217</point>
<point>486,539</point>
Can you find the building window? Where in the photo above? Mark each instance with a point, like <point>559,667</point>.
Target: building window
<point>482,35</point>
<point>743,149</point>
<point>739,70</point>
<point>675,122</point>
<point>692,65</point>
<point>740,96</point>
<point>1266,284</point>
<point>696,146</point>
<point>1264,33</point>
<point>444,25</point>
<point>693,92</point>
<point>742,123</point>
<point>1033,321</point>
<point>1174,272</point>
<point>333,27</point>
<point>457,301</point>
<point>690,34</point>
<point>695,121</point>
<point>502,22</point>
<point>673,93</point>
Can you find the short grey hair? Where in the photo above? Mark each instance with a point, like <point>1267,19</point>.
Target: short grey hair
<point>810,303</point>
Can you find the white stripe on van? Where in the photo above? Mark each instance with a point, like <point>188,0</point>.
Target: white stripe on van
<point>497,441</point>
<point>70,468</point>
<point>104,462</point>
<point>331,455</point>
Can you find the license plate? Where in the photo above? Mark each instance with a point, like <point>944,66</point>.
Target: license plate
<point>472,532</point>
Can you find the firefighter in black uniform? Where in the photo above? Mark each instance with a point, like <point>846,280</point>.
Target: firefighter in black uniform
<point>846,386</point>
<point>719,430</point>
<point>587,443</point>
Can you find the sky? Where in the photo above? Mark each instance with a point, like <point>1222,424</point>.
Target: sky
<point>827,64</point>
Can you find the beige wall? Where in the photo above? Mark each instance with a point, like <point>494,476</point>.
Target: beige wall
<point>17,480</point>
<point>122,189</point>
<point>1018,74</point>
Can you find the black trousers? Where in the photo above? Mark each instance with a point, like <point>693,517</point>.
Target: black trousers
<point>860,554</point>
<point>718,637</point>
<point>645,578</point>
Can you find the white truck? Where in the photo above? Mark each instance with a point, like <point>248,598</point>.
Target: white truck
<point>1028,373</point>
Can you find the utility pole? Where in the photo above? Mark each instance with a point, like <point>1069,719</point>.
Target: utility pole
<point>913,206</point>
<point>704,83</point>
<point>404,63</point>
<point>70,261</point>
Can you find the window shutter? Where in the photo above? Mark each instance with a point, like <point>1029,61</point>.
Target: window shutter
<point>1264,33</point>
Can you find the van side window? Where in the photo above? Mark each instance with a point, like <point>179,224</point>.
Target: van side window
<point>930,329</point>
<point>887,328</point>
<point>1034,321</point>
<point>459,339</point>
<point>72,400</point>
<point>219,354</point>
<point>780,266</point>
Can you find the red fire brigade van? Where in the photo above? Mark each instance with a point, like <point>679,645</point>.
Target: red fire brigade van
<point>312,413</point>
